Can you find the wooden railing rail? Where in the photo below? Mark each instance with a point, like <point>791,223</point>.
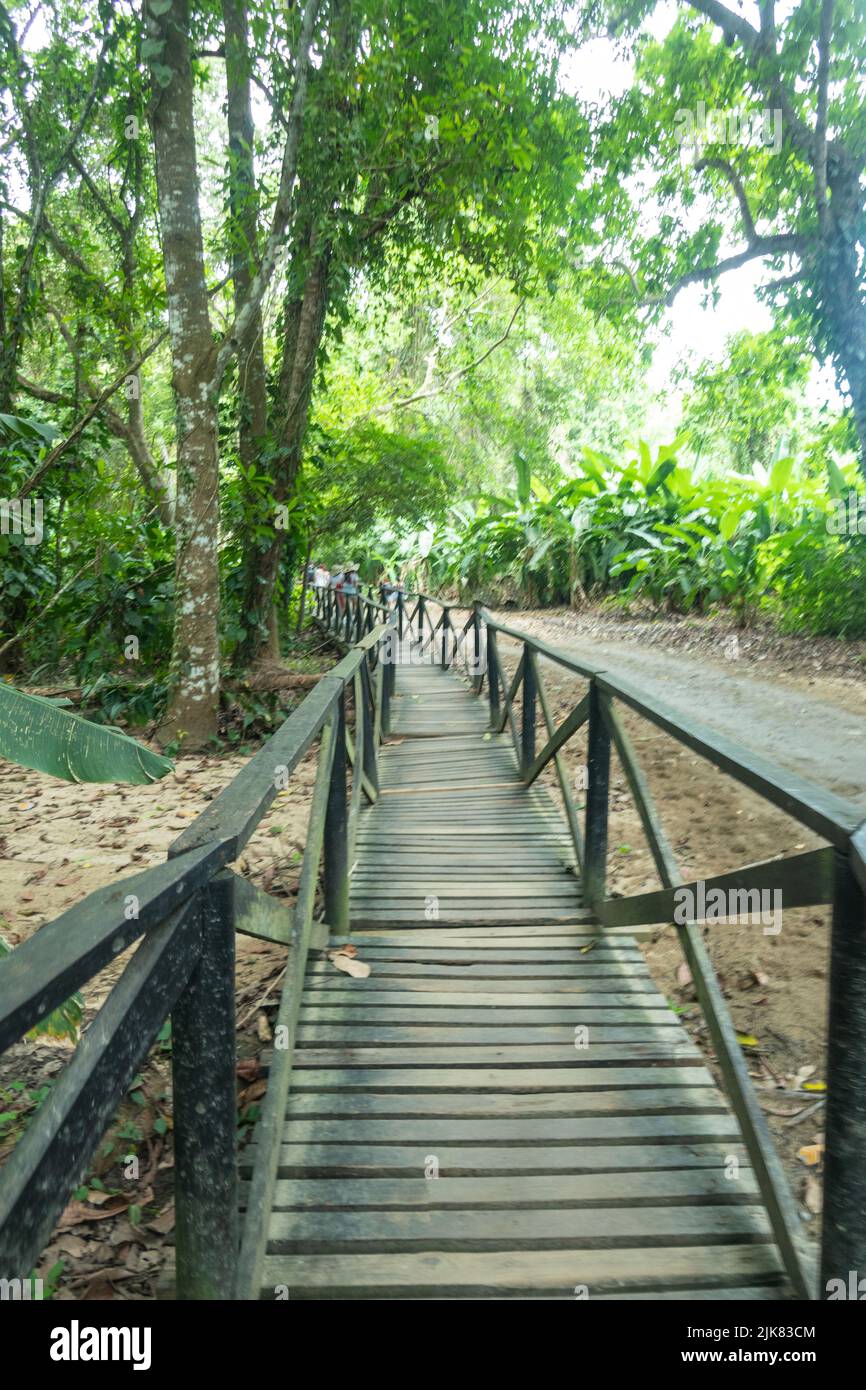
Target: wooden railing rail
<point>185,914</point>
<point>833,874</point>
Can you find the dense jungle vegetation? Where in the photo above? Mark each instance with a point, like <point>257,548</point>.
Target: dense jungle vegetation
<point>344,279</point>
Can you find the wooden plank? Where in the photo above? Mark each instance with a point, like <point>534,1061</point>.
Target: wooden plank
<point>680,1048</point>
<point>517,1230</point>
<point>444,1037</point>
<point>612,1129</point>
<point>476,970</point>
<point>803,880</point>
<point>587,977</point>
<point>462,1161</point>
<point>548,1271</point>
<point>466,957</point>
<point>586,1190</point>
<point>463,891</point>
<point>445,1078</point>
<point>366,994</point>
<point>481,1019</point>
<point>462,936</point>
<point>464,916</point>
<point>541,1105</point>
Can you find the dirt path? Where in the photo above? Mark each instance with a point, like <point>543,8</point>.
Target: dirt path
<point>795,702</point>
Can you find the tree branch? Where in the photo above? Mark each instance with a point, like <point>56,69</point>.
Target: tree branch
<point>736,183</point>
<point>59,449</point>
<point>783,244</point>
<point>457,375</point>
<point>824,39</point>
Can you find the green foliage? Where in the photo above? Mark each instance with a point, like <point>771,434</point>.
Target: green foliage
<point>62,1022</point>
<point>650,528</point>
<point>739,408</point>
<point>36,733</point>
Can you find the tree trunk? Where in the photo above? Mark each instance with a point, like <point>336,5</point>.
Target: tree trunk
<point>243,206</point>
<point>195,671</point>
<point>842,307</point>
<point>304,320</point>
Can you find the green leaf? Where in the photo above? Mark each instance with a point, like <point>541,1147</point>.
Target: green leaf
<point>836,479</point>
<point>729,522</point>
<point>34,733</point>
<point>780,473</point>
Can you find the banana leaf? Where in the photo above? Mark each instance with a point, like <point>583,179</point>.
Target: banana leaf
<point>35,733</point>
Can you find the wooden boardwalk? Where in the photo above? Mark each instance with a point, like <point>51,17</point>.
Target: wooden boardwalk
<point>506,1107</point>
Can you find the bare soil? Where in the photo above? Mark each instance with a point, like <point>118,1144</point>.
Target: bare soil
<point>59,843</point>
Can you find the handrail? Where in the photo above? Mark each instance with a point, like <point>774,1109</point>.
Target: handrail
<point>835,874</point>
<point>187,911</point>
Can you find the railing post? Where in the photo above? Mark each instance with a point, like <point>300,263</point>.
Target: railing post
<point>336,851</point>
<point>420,616</point>
<point>493,679</point>
<point>477,673</point>
<point>205,1110</point>
<point>400,614</point>
<point>527,731</point>
<point>445,621</point>
<point>389,673</point>
<point>598,773</point>
<point>843,1247</point>
<point>371,767</point>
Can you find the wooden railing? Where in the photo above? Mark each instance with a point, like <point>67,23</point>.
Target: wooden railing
<point>833,874</point>
<point>184,914</point>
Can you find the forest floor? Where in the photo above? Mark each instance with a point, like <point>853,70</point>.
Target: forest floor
<point>61,841</point>
<point>799,702</point>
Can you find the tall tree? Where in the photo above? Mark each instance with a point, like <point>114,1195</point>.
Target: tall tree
<point>199,362</point>
<point>437,129</point>
<point>776,177</point>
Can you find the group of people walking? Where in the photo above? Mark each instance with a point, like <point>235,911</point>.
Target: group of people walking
<point>345,580</point>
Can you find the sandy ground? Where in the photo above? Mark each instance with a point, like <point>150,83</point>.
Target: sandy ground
<point>59,843</point>
<point>798,702</point>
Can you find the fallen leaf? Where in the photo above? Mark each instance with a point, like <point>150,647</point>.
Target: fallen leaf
<point>812,1195</point>
<point>78,1212</point>
<point>747,1040</point>
<point>349,965</point>
<point>810,1154</point>
<point>684,975</point>
<point>814,1086</point>
<point>163,1223</point>
<point>253,1092</point>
